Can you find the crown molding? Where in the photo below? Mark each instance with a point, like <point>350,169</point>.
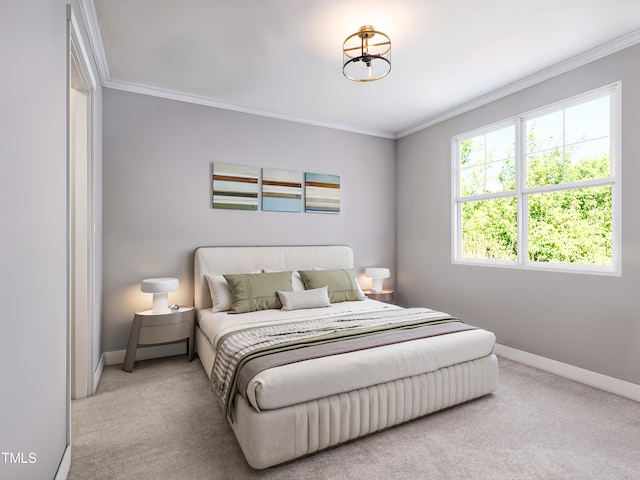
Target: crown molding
<point>212,102</point>
<point>90,18</point>
<point>596,53</point>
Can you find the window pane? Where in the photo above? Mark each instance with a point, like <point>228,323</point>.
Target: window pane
<point>545,168</point>
<point>587,121</point>
<point>501,176</point>
<point>472,151</point>
<point>545,132</point>
<point>471,181</point>
<point>587,160</point>
<point>569,145</point>
<point>488,162</point>
<point>571,226</point>
<point>489,229</point>
<point>501,144</point>
<point>545,150</point>
<point>582,161</point>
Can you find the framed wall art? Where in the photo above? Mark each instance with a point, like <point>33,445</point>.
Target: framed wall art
<point>322,193</point>
<point>235,186</point>
<point>281,190</point>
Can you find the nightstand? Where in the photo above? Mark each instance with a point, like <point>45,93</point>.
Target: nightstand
<point>386,296</point>
<point>153,329</point>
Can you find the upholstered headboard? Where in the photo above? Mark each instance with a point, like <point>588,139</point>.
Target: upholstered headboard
<point>223,260</point>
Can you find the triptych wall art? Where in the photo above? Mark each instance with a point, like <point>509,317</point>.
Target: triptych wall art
<point>322,193</point>
<point>237,186</point>
<point>281,190</point>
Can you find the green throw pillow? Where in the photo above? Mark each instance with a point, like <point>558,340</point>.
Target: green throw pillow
<point>342,284</point>
<point>257,291</point>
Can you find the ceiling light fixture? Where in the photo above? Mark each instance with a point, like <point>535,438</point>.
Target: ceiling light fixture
<point>365,59</point>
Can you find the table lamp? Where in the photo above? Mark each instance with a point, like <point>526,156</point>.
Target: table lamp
<point>376,274</point>
<point>160,287</point>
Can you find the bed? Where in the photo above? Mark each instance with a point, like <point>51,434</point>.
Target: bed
<point>291,406</point>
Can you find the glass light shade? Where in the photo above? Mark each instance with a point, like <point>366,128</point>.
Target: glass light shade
<point>376,274</point>
<point>366,55</point>
<point>160,287</point>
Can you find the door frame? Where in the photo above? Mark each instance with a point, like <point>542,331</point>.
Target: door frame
<point>81,218</point>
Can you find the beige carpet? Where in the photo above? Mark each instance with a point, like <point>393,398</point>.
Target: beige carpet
<point>163,422</point>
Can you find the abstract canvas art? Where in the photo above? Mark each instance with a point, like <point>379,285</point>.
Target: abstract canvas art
<point>281,190</point>
<point>322,193</point>
<point>235,186</point>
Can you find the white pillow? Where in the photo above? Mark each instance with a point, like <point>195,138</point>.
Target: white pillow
<point>296,300</point>
<point>296,279</point>
<point>220,292</point>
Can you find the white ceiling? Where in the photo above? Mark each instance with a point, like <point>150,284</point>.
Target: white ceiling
<point>282,58</point>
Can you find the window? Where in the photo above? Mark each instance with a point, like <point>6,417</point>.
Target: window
<point>541,190</point>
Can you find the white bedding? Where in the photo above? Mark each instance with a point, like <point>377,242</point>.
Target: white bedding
<point>311,379</point>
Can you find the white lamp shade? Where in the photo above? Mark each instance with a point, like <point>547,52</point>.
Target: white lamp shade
<point>160,288</point>
<point>159,285</point>
<point>376,274</point>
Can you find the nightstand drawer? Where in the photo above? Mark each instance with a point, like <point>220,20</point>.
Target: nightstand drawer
<point>163,333</point>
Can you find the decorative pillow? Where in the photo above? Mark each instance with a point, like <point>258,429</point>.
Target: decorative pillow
<point>220,293</point>
<point>362,295</point>
<point>342,284</point>
<point>257,291</point>
<point>296,300</point>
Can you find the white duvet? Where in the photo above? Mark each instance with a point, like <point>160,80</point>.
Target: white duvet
<point>311,379</point>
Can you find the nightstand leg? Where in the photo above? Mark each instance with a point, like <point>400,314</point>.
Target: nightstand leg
<point>132,346</point>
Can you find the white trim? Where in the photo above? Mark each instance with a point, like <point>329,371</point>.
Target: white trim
<point>77,38</point>
<point>65,465</point>
<point>90,20</point>
<point>456,214</point>
<point>616,151</point>
<point>146,353</point>
<point>88,10</point>
<point>597,380</point>
<point>68,224</point>
<point>592,55</point>
<point>81,218</point>
<point>212,102</point>
<point>540,267</point>
<point>97,374</point>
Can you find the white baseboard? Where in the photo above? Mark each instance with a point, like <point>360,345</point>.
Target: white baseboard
<point>65,465</point>
<point>146,353</point>
<point>98,373</point>
<point>577,374</point>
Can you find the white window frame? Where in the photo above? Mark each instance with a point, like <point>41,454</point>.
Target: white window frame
<point>522,192</point>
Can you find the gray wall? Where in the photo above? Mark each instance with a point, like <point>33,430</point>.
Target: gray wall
<point>157,194</point>
<point>589,321</point>
<point>33,240</point>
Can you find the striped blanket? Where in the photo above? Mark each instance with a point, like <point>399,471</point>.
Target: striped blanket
<point>239,347</point>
